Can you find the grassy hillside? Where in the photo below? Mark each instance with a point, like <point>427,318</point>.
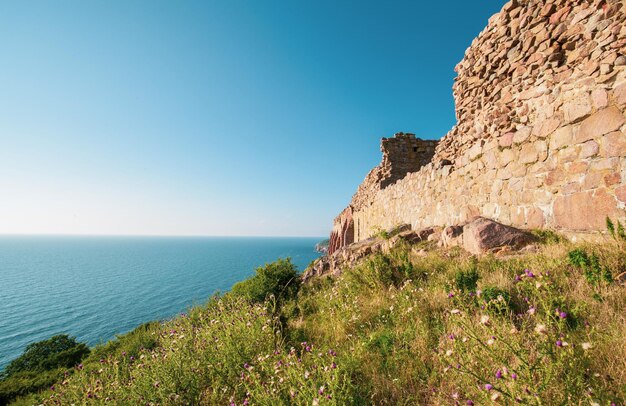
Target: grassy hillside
<point>405,328</point>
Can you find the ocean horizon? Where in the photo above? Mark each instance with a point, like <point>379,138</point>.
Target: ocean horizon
<point>96,286</point>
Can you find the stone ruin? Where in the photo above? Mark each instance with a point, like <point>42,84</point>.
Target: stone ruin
<point>540,139</point>
<point>402,154</point>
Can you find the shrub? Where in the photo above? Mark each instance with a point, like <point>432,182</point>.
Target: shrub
<point>593,271</point>
<point>279,279</point>
<point>60,351</point>
<point>466,280</point>
<point>496,299</point>
<point>40,365</point>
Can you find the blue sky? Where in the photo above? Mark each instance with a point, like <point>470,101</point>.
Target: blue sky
<point>213,117</point>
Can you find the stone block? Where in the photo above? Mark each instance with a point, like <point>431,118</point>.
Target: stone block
<point>613,145</point>
<point>600,123</point>
<point>584,211</point>
<point>577,108</point>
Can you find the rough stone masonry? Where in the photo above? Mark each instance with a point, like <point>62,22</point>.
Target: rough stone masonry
<point>540,139</point>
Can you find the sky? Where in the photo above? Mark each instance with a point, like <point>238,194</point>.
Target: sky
<point>223,117</point>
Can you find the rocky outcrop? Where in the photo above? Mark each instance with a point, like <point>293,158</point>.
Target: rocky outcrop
<point>479,236</point>
<point>540,139</point>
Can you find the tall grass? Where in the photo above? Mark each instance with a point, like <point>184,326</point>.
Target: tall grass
<point>398,329</point>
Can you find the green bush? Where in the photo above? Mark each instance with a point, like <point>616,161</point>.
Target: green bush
<point>593,271</point>
<point>60,351</point>
<point>279,279</point>
<point>465,280</point>
<point>496,299</point>
<point>41,364</point>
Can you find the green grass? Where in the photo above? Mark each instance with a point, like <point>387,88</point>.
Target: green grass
<point>398,329</point>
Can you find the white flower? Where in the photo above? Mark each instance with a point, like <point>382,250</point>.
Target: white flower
<point>495,396</point>
<point>306,374</point>
<point>541,329</point>
<point>538,285</point>
<point>484,320</point>
<point>531,311</point>
<point>479,292</point>
<point>455,311</point>
<point>587,346</point>
<point>449,353</point>
<point>491,341</point>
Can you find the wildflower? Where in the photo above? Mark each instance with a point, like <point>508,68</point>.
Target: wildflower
<point>479,292</point>
<point>562,315</point>
<point>517,278</point>
<point>246,366</point>
<point>531,311</point>
<point>470,402</point>
<point>455,395</point>
<point>451,294</point>
<point>333,365</point>
<point>499,374</point>
<point>514,376</point>
<point>449,353</point>
<point>491,341</point>
<point>538,285</point>
<point>559,343</point>
<point>488,386</point>
<point>306,374</point>
<point>455,311</point>
<point>321,391</point>
<point>52,387</point>
<point>451,336</point>
<point>484,320</point>
<point>586,346</point>
<point>541,329</point>
<point>495,396</point>
<point>316,402</point>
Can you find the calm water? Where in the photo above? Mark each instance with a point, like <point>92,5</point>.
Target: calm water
<point>96,287</point>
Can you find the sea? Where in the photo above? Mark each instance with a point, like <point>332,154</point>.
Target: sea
<point>93,288</point>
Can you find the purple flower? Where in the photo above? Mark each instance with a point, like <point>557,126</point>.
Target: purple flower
<point>488,386</point>
<point>517,278</point>
<point>246,402</point>
<point>499,374</point>
<point>451,336</point>
<point>562,315</point>
<point>52,387</point>
<point>514,376</point>
<point>451,294</point>
<point>246,366</point>
<point>559,343</point>
<point>332,353</point>
<point>470,402</point>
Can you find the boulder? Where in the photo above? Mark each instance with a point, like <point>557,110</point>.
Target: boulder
<point>482,235</point>
<point>451,236</point>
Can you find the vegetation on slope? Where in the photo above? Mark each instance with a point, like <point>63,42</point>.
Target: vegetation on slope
<point>403,328</point>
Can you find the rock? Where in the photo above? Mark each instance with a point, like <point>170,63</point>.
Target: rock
<point>600,123</point>
<point>451,236</point>
<point>482,235</point>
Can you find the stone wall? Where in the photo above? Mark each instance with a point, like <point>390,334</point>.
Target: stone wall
<point>402,154</point>
<point>540,139</point>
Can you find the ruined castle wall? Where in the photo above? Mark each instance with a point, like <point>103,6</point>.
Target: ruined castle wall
<point>540,140</point>
<point>402,154</point>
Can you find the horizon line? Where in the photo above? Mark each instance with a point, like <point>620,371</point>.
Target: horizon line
<point>154,235</point>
